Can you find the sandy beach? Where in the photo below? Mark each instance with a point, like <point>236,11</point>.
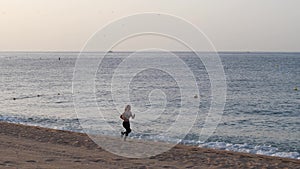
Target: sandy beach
<point>35,147</point>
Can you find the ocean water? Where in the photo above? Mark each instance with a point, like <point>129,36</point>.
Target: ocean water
<point>261,115</point>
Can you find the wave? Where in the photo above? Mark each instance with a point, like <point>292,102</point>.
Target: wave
<point>253,149</point>
<point>71,124</point>
<point>245,147</point>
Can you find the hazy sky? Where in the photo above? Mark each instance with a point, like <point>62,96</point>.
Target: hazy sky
<point>232,25</point>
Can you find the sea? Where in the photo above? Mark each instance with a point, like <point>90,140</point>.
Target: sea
<point>261,113</point>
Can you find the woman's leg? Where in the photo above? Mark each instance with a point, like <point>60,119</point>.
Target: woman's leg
<point>126,125</point>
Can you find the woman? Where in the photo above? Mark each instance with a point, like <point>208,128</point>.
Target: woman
<point>125,117</point>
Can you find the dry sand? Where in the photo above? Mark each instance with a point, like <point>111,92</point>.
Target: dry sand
<point>35,147</point>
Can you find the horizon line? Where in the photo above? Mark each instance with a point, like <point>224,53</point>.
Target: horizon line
<point>120,51</point>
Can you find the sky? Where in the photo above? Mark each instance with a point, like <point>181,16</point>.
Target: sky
<point>231,25</point>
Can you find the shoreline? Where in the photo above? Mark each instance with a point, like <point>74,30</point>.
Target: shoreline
<point>24,146</point>
<point>210,145</point>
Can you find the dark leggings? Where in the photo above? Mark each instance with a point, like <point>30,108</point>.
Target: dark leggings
<point>126,125</point>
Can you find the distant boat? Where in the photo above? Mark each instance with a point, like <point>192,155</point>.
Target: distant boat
<point>110,51</point>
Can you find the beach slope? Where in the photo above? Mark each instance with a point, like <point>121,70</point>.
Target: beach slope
<point>35,147</point>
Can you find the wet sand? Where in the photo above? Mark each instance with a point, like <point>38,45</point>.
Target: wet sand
<point>35,147</point>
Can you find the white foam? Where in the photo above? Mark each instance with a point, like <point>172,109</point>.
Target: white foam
<point>287,154</point>
<point>246,148</point>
